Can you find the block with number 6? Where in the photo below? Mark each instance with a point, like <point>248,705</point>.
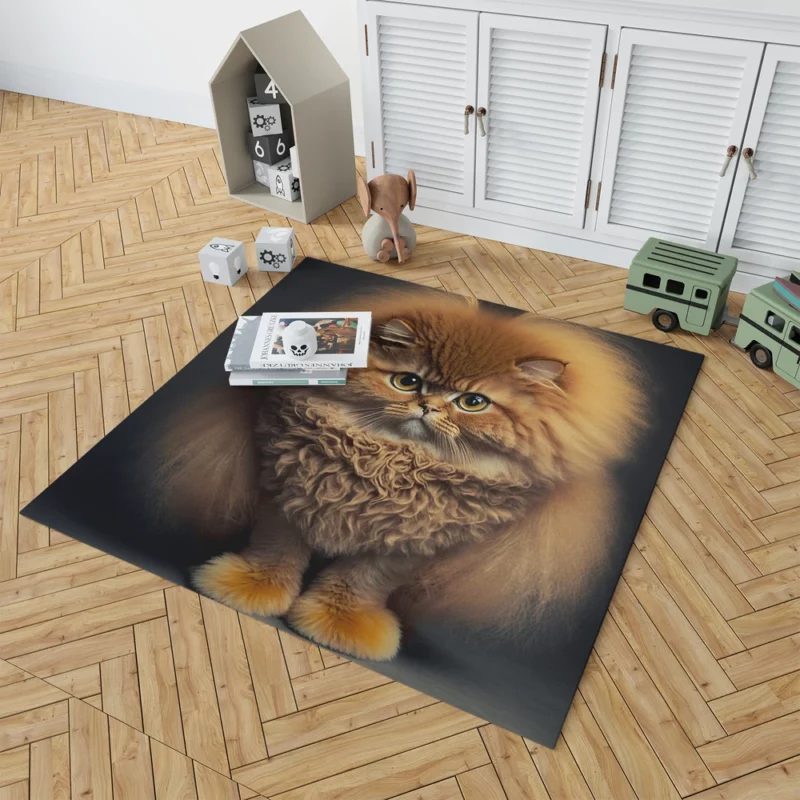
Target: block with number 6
<point>267,90</point>
<point>270,149</point>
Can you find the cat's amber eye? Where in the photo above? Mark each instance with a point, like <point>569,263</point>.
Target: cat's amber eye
<point>405,381</point>
<point>472,402</point>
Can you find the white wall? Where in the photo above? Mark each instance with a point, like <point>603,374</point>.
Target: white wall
<point>151,57</point>
<point>155,57</point>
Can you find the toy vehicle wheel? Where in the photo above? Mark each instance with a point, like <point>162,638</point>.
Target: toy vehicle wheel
<point>760,356</point>
<point>665,320</point>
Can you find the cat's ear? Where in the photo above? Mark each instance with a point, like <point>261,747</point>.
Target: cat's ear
<point>395,333</point>
<point>542,369</point>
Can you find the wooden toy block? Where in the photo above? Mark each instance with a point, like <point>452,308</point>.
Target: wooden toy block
<point>275,249</point>
<point>268,118</point>
<point>223,261</point>
<point>261,173</point>
<point>267,90</point>
<point>282,183</point>
<point>270,149</point>
<point>295,162</point>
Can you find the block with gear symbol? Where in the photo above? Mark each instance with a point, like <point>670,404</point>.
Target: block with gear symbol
<point>275,249</point>
<point>268,119</point>
<point>282,183</point>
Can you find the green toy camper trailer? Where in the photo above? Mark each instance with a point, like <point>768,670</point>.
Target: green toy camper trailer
<point>680,285</point>
<point>769,329</point>
<point>688,287</point>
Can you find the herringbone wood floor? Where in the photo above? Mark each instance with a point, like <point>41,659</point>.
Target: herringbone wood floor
<point>114,684</point>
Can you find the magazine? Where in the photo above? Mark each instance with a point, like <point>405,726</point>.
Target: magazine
<point>284,377</point>
<point>316,341</point>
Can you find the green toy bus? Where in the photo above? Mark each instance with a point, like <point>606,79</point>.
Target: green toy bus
<point>769,329</point>
<point>680,285</point>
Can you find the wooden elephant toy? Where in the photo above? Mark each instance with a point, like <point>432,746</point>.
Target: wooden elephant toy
<point>387,233</point>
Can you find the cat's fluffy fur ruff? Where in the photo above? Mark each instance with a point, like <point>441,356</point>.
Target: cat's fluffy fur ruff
<point>512,509</point>
<point>351,494</point>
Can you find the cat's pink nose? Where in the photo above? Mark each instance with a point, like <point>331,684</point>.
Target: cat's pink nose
<point>427,408</point>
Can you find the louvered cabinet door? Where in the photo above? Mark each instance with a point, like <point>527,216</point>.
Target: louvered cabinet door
<point>539,84</point>
<point>679,102</point>
<point>762,225</point>
<point>423,64</point>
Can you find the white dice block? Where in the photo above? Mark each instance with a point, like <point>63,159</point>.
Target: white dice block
<point>267,118</point>
<point>282,183</point>
<point>295,162</point>
<point>261,172</point>
<point>223,261</point>
<point>275,249</point>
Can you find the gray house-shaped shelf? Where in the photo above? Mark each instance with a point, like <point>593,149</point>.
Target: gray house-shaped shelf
<point>290,51</point>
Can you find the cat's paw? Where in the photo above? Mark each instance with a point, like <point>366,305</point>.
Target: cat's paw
<point>248,586</point>
<point>363,631</point>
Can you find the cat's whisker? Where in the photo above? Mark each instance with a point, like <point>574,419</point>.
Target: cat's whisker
<point>455,448</point>
<point>369,417</point>
<point>549,384</point>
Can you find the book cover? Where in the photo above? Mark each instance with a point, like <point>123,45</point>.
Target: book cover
<point>338,340</point>
<point>241,346</point>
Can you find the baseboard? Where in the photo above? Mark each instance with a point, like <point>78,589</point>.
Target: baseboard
<point>573,247</point>
<point>130,98</point>
<point>149,101</point>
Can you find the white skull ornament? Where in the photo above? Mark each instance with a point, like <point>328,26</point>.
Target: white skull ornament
<point>299,340</point>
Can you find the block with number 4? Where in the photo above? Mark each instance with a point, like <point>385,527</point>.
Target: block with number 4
<point>282,183</point>
<point>275,249</point>
<point>269,118</point>
<point>267,90</point>
<point>270,149</point>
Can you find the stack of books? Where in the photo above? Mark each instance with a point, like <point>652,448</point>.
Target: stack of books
<point>258,356</point>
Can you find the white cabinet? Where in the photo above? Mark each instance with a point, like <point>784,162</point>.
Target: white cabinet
<point>529,101</point>
<point>679,103</point>
<point>423,78</point>
<point>762,225</point>
<point>538,88</point>
<point>589,133</point>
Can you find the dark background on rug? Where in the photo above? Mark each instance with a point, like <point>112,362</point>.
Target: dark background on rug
<point>525,684</point>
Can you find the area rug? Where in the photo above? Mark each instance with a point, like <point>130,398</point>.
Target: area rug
<point>456,517</point>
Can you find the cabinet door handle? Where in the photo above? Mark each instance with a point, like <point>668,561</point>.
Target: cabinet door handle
<point>747,155</point>
<point>480,114</point>
<point>732,151</point>
<point>467,111</point>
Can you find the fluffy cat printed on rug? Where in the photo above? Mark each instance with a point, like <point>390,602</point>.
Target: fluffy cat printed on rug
<point>465,473</point>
